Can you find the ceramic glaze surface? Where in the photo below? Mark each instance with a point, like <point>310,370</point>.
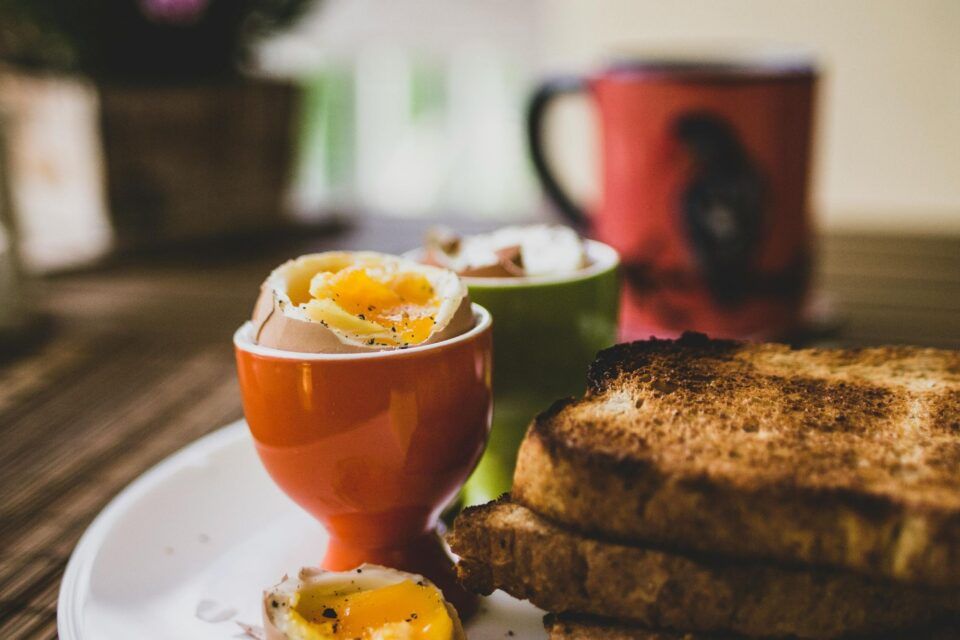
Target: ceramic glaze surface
<point>372,445</point>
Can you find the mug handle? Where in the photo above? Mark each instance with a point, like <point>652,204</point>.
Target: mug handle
<point>536,110</point>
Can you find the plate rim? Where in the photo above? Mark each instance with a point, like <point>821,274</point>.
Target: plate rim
<point>76,575</point>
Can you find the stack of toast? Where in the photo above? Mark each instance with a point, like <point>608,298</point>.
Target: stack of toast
<point>713,489</point>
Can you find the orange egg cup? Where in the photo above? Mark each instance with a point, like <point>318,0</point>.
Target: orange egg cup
<point>374,444</point>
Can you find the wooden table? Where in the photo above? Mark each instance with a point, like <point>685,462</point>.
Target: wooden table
<point>138,364</point>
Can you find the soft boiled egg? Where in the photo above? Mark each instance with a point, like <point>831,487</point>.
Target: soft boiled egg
<point>368,603</point>
<point>534,250</point>
<point>355,301</point>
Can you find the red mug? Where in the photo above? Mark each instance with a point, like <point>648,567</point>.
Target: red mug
<point>704,191</point>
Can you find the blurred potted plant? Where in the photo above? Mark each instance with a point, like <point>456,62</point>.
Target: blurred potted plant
<point>191,143</point>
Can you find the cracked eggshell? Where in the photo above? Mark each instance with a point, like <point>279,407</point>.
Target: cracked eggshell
<point>506,266</point>
<point>373,577</point>
<point>274,314</point>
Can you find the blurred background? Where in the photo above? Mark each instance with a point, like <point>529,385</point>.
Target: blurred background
<point>415,109</point>
<point>154,125</point>
<point>888,128</point>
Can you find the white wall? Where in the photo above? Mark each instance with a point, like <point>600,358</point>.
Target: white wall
<point>888,146</point>
<point>464,152</point>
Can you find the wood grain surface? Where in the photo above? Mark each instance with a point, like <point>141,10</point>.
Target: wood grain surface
<point>137,363</point>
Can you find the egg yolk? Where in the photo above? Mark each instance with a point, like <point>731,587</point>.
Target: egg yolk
<point>402,611</point>
<point>381,306</point>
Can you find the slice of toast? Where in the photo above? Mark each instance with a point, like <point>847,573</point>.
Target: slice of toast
<point>846,458</point>
<point>582,628</point>
<point>503,545</point>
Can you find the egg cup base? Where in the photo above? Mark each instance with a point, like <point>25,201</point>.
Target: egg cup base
<point>425,555</point>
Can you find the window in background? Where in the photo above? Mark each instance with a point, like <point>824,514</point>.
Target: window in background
<point>413,109</point>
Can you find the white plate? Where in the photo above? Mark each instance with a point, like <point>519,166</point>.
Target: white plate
<point>186,550</point>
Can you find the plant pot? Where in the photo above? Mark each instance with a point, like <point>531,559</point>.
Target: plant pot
<point>92,165</point>
<point>196,161</point>
<point>53,170</point>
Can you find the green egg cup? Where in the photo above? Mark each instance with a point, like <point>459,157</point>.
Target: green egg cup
<point>546,332</point>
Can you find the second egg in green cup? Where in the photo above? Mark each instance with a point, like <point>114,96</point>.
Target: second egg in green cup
<point>546,332</point>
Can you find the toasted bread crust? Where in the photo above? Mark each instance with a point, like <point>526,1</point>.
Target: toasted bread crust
<point>582,628</point>
<point>844,458</point>
<point>577,628</point>
<point>506,546</point>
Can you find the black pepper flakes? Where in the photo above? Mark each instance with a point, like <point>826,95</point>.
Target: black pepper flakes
<point>329,612</point>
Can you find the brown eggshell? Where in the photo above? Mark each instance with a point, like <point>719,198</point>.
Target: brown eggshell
<point>277,330</point>
<point>273,328</point>
<point>506,266</point>
<point>497,270</point>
